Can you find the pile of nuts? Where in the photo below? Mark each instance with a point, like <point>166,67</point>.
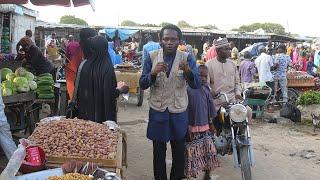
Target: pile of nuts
<point>71,176</point>
<point>76,138</point>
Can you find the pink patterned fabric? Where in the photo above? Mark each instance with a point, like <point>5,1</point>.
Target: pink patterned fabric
<point>211,54</point>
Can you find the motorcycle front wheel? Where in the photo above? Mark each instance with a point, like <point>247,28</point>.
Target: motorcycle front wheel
<point>245,163</point>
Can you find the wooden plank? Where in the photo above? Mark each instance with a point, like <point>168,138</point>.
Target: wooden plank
<point>19,98</point>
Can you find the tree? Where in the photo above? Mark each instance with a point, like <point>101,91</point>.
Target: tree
<point>268,27</point>
<point>183,24</point>
<point>164,24</point>
<point>129,23</point>
<point>149,25</point>
<point>69,19</point>
<point>209,26</point>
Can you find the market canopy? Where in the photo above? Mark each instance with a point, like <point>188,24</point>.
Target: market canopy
<point>66,3</point>
<point>124,34</point>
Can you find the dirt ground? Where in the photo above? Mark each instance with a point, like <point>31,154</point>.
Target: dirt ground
<point>283,151</point>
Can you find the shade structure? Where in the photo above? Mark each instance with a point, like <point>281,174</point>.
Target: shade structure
<point>66,3</point>
<point>13,1</point>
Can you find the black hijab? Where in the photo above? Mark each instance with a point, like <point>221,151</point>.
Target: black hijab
<point>85,34</point>
<point>97,87</point>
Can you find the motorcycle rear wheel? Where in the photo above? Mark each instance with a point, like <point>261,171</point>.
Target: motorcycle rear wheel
<point>245,163</point>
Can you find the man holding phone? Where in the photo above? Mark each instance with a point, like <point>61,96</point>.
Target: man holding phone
<point>168,72</point>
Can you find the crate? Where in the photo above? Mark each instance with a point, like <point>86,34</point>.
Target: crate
<point>301,83</point>
<point>115,165</point>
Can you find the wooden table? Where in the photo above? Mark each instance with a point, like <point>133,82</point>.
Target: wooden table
<point>24,102</point>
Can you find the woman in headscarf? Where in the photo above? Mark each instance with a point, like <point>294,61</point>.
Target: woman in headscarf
<point>98,90</point>
<point>75,55</point>
<point>35,60</point>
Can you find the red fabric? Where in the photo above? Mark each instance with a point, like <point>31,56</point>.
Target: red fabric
<point>51,2</point>
<point>71,69</point>
<point>13,1</point>
<point>304,64</point>
<point>211,54</point>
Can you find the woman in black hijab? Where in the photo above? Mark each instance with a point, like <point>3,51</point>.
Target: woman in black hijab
<point>98,85</point>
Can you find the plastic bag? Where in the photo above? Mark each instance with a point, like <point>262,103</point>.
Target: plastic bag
<point>15,161</point>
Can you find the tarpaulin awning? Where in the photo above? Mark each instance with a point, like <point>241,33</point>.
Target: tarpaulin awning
<point>66,3</point>
<point>124,34</point>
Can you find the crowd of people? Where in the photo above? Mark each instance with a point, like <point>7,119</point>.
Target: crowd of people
<point>182,108</point>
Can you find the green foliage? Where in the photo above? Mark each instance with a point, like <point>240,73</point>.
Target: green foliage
<point>164,24</point>
<point>268,27</point>
<point>129,23</point>
<point>68,19</point>
<point>149,25</point>
<point>308,98</point>
<point>183,24</point>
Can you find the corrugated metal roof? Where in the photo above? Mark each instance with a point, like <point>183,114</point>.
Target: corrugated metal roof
<point>5,8</point>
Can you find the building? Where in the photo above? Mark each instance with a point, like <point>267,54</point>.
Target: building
<point>14,21</point>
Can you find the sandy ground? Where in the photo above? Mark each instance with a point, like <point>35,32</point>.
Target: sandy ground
<point>281,150</point>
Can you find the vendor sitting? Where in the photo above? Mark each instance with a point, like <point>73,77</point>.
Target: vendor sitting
<point>310,66</point>
<point>52,50</point>
<point>35,60</point>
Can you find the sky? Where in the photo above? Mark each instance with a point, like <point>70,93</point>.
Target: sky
<point>297,17</point>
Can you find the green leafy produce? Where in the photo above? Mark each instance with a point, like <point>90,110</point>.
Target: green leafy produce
<point>7,84</point>
<point>7,92</point>
<point>4,72</point>
<point>23,88</point>
<point>10,76</point>
<point>29,76</point>
<point>20,81</point>
<point>20,72</point>
<point>33,85</point>
<point>308,98</point>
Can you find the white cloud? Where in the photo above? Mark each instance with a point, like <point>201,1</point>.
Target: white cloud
<point>298,17</point>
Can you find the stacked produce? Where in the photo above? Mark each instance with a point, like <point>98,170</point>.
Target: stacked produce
<point>298,75</point>
<point>45,86</point>
<point>19,82</point>
<point>5,40</point>
<point>75,138</point>
<point>71,176</point>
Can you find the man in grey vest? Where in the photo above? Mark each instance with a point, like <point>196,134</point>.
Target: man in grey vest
<point>168,72</point>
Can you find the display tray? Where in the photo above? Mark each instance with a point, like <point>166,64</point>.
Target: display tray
<point>104,163</point>
<point>301,83</point>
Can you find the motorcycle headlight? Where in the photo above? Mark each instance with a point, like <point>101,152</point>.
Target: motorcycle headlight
<point>238,113</point>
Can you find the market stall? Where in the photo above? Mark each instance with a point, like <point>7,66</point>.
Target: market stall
<point>74,146</point>
<point>23,94</point>
<point>130,74</point>
<point>14,21</point>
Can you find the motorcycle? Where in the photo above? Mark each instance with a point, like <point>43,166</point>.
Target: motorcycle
<point>233,135</point>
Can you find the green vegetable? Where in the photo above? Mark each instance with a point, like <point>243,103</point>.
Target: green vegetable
<point>45,78</point>
<point>4,72</point>
<point>7,84</point>
<point>24,88</point>
<point>7,92</point>
<point>20,81</point>
<point>33,85</point>
<point>20,72</point>
<point>10,76</point>
<point>45,88</point>
<point>45,83</point>
<point>29,76</point>
<point>45,74</point>
<point>308,98</point>
<point>46,96</point>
